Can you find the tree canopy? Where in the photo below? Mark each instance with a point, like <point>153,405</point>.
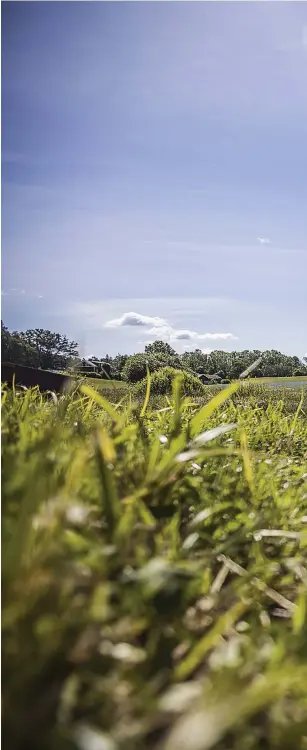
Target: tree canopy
<point>42,348</point>
<point>37,348</point>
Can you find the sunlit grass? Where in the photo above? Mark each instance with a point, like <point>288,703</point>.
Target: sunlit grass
<point>154,559</point>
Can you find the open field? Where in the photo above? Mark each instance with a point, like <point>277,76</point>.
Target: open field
<point>294,382</point>
<point>107,384</point>
<point>154,570</point>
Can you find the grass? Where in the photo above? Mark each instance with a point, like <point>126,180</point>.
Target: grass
<point>295,379</point>
<point>106,384</point>
<point>154,570</point>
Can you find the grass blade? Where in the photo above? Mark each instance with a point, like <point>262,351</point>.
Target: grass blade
<point>206,411</point>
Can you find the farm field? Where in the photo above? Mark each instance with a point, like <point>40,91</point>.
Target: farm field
<point>293,382</point>
<point>106,384</point>
<point>154,570</point>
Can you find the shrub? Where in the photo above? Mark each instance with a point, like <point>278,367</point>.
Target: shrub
<point>300,372</point>
<point>162,382</point>
<point>225,381</point>
<point>135,367</point>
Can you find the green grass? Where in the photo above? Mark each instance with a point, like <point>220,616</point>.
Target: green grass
<point>107,384</point>
<point>294,379</point>
<point>154,570</point>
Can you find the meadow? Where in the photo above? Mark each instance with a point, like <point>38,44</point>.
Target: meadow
<point>154,569</point>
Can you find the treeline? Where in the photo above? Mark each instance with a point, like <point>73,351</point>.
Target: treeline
<point>53,351</point>
<point>218,366</point>
<point>37,348</point>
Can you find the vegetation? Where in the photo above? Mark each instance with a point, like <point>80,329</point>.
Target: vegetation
<point>162,383</point>
<point>154,559</point>
<point>39,348</point>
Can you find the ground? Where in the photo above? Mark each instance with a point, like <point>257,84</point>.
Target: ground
<point>154,570</point>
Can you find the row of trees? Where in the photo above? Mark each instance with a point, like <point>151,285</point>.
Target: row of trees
<point>37,348</point>
<point>52,351</point>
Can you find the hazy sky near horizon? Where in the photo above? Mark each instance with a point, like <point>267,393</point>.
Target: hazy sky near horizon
<point>154,162</point>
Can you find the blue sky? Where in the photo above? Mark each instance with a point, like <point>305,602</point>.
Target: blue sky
<point>154,161</point>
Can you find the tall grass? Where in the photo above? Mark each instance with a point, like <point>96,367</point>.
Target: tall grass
<point>154,569</point>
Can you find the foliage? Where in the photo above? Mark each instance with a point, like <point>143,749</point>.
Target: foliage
<point>154,587</point>
<point>160,348</point>
<point>162,383</point>
<point>53,349</point>
<point>15,349</point>
<point>135,368</point>
<point>232,364</point>
<point>154,571</point>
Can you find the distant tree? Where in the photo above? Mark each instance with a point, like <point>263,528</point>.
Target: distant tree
<point>195,361</point>
<point>300,372</point>
<point>53,349</point>
<point>135,368</point>
<point>14,349</point>
<point>166,355</point>
<point>119,362</point>
<point>105,370</point>
<point>158,348</point>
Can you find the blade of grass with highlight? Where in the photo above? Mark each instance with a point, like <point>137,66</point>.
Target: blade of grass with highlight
<point>176,394</point>
<point>195,657</point>
<point>147,395</point>
<point>105,453</point>
<point>250,369</point>
<point>248,471</point>
<point>299,408</point>
<point>206,411</point>
<point>95,396</point>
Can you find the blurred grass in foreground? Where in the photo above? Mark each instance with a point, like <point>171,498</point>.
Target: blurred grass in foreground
<point>154,568</point>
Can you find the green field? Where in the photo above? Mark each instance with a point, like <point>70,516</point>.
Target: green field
<point>154,570</point>
<point>294,381</point>
<point>106,384</point>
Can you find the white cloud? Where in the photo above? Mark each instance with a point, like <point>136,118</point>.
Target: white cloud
<point>217,336</point>
<point>135,319</point>
<point>182,335</point>
<point>173,334</point>
<point>264,240</point>
<point>161,329</point>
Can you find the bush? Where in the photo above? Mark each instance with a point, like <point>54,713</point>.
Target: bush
<point>300,372</point>
<point>162,383</point>
<point>225,381</point>
<point>135,367</point>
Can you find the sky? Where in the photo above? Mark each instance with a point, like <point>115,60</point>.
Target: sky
<point>154,173</point>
